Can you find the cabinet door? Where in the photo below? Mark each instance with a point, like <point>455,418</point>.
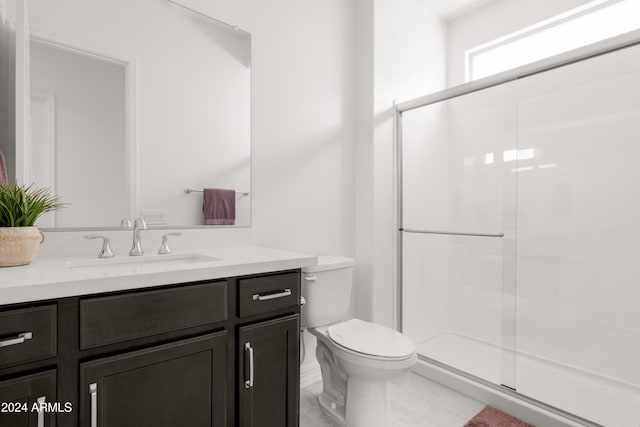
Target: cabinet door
<point>20,399</point>
<point>176,384</point>
<point>269,373</point>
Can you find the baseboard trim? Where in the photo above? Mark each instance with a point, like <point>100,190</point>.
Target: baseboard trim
<point>309,374</point>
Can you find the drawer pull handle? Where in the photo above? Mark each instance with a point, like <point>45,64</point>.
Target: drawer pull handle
<point>249,383</point>
<point>310,278</point>
<point>93,391</point>
<point>40,401</point>
<point>285,293</point>
<point>19,340</point>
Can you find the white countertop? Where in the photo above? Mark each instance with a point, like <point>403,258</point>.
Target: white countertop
<point>51,277</point>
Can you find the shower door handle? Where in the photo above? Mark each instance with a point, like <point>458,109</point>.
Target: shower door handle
<point>451,233</point>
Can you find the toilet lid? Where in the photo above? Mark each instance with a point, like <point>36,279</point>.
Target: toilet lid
<point>369,338</point>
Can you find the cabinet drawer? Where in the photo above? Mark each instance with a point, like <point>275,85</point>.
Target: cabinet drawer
<point>263,294</point>
<point>27,335</point>
<point>112,319</point>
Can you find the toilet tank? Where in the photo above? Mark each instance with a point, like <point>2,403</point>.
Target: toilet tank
<point>326,288</point>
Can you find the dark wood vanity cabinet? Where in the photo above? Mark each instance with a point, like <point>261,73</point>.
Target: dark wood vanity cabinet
<point>178,355</point>
<point>28,348</point>
<point>268,351</point>
<point>181,383</point>
<point>27,335</point>
<point>269,385</point>
<point>23,400</point>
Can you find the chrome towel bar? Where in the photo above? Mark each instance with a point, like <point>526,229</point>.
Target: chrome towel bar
<point>191,190</point>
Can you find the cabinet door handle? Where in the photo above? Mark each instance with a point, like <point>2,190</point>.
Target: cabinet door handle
<point>285,293</point>
<point>18,340</point>
<point>249,383</point>
<point>93,391</point>
<point>40,401</point>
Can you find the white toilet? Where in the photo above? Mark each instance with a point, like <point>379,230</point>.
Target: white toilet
<point>357,358</point>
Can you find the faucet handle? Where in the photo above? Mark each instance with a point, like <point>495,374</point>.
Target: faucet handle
<point>139,224</point>
<point>106,251</point>
<point>125,224</point>
<point>164,247</point>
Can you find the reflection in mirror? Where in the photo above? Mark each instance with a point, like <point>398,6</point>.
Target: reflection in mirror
<point>183,119</point>
<point>78,134</point>
<point>12,88</point>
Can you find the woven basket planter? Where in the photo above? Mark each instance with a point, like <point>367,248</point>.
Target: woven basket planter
<point>19,245</point>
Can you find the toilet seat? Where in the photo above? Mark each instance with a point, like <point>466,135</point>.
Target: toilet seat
<point>371,340</point>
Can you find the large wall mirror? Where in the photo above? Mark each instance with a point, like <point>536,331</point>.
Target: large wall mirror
<point>133,105</point>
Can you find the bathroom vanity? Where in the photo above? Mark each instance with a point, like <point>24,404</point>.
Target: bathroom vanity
<point>110,345</point>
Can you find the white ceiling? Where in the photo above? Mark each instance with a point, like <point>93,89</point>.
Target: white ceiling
<point>451,9</point>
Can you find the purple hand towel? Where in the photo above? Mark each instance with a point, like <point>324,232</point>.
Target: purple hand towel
<point>3,170</point>
<point>219,206</point>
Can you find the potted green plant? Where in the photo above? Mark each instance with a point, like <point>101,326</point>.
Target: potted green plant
<point>20,207</point>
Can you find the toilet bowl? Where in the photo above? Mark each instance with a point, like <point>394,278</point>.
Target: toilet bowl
<point>357,358</point>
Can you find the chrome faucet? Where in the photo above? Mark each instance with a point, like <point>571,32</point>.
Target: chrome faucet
<point>138,225</point>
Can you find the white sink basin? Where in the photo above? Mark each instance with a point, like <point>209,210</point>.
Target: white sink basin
<point>141,261</point>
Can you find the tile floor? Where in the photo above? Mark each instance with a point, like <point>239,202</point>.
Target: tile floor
<point>415,402</point>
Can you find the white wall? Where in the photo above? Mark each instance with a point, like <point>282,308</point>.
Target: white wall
<point>408,61</point>
<point>493,20</point>
<point>303,131</point>
<point>321,171</point>
<point>314,173</point>
<point>303,77</point>
<point>302,119</point>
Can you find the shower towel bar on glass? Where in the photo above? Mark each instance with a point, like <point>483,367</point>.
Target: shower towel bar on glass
<point>452,233</point>
<point>191,190</point>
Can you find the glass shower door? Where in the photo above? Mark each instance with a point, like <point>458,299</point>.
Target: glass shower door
<point>578,323</point>
<point>458,231</point>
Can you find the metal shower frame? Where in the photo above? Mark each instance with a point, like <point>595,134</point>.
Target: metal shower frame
<point>603,47</point>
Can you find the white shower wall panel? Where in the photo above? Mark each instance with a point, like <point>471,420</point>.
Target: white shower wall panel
<point>425,169</point>
<point>455,181</point>
<point>578,246</point>
<point>454,178</point>
<point>458,287</point>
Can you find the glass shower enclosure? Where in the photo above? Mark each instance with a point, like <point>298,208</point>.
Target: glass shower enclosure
<point>519,232</point>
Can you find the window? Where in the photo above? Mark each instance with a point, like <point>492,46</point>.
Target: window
<point>592,22</point>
